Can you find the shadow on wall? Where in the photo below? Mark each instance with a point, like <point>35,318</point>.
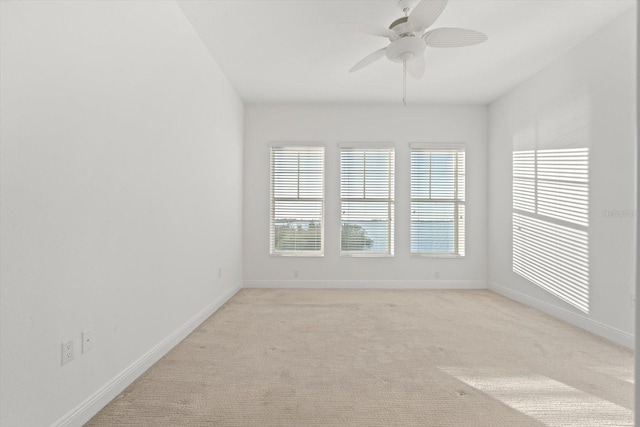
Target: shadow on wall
<point>551,201</point>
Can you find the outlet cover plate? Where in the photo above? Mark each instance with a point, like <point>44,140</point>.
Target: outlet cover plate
<point>87,341</point>
<point>67,352</point>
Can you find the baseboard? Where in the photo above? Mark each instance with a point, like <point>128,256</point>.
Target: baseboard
<point>367,284</point>
<point>98,400</point>
<point>605,331</point>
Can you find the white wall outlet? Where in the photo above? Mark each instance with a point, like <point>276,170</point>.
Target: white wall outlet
<point>437,274</point>
<point>296,273</point>
<point>67,352</point>
<point>220,272</point>
<point>87,341</point>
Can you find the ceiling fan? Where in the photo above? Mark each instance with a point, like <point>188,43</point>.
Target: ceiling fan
<point>409,36</point>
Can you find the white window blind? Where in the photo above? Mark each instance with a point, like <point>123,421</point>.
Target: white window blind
<point>438,201</point>
<point>297,200</point>
<point>367,200</point>
<point>550,220</point>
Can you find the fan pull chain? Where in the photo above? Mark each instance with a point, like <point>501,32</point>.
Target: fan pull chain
<point>404,83</point>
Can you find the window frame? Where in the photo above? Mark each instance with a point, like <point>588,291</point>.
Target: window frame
<point>460,234</point>
<point>391,201</point>
<point>295,147</point>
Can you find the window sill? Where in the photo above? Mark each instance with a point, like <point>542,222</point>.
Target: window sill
<point>297,255</point>
<point>421,255</point>
<point>347,255</point>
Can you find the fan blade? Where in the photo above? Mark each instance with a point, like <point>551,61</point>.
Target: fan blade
<point>416,67</point>
<point>425,13</point>
<point>453,37</point>
<point>374,30</point>
<point>368,60</point>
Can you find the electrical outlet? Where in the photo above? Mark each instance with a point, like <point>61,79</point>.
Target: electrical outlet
<point>220,272</point>
<point>437,274</point>
<point>295,273</point>
<point>87,341</point>
<point>67,352</point>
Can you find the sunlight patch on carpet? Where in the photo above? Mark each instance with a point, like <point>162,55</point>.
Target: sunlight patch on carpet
<point>551,402</point>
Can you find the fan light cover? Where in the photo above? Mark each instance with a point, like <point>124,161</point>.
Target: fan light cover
<point>405,49</point>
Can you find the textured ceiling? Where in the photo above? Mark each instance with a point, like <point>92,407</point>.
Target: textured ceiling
<point>295,51</point>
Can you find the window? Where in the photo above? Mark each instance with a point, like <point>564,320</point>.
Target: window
<point>297,200</point>
<point>367,200</point>
<point>550,220</point>
<point>437,200</point>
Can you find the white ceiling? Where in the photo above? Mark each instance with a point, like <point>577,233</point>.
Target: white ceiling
<point>295,51</point>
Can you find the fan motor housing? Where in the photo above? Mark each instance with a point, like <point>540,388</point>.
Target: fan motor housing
<point>402,27</point>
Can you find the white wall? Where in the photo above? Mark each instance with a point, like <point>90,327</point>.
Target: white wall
<point>120,197</point>
<point>334,124</point>
<point>595,81</point>
<point>637,275</point>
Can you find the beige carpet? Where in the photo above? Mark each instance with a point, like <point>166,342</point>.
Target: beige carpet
<point>381,358</point>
